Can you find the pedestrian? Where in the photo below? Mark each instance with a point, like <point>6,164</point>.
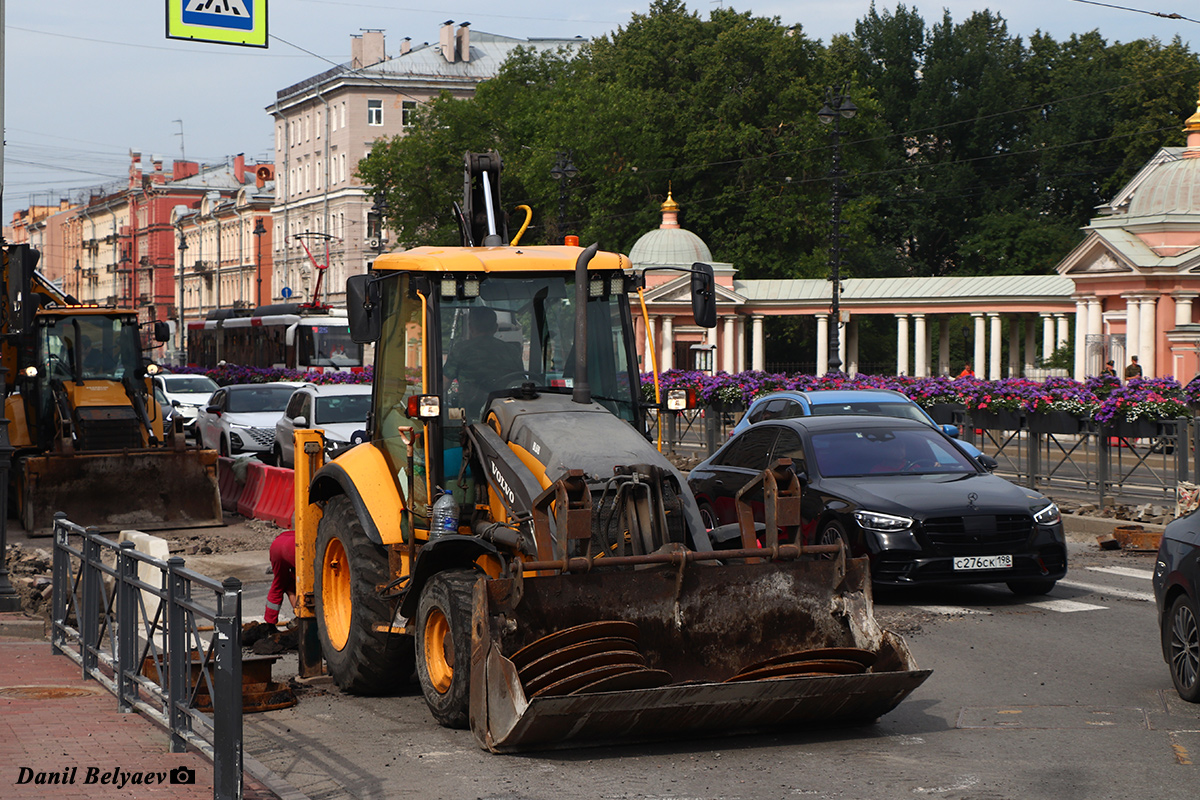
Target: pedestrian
<point>1134,370</point>
<point>283,582</point>
<point>967,372</point>
<point>1110,368</point>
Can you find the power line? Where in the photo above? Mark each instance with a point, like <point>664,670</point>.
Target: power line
<point>1171,15</point>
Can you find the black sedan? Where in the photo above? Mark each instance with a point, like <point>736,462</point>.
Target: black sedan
<point>899,492</point>
<point>1176,573</point>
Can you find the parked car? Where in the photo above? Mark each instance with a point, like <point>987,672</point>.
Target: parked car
<point>899,492</point>
<point>168,411</point>
<point>825,402</point>
<point>339,409</point>
<point>1176,574</point>
<point>241,418</point>
<point>187,394</point>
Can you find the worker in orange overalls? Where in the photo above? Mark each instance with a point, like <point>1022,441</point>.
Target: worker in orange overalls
<point>283,567</point>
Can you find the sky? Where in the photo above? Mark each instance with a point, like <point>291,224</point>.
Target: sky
<point>87,82</point>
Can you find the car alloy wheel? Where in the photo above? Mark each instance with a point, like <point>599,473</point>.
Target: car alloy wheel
<point>1182,633</point>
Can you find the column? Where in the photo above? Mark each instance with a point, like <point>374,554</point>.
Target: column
<point>902,344</point>
<point>648,350</point>
<point>1063,331</point>
<point>739,340</point>
<point>1148,317</point>
<point>994,341</point>
<point>667,360</point>
<point>728,363</point>
<point>943,367</point>
<point>1014,347</point>
<point>1133,332</point>
<point>822,344</point>
<point>1030,351</point>
<point>1183,308</point>
<point>1047,335</point>
<point>758,358</point>
<point>851,365</point>
<point>1080,338</point>
<point>1095,322</point>
<point>921,350</point>
<point>980,344</point>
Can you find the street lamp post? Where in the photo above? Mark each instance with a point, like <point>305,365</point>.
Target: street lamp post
<point>182,255</point>
<point>837,105</point>
<point>563,171</point>
<point>122,271</point>
<point>78,281</point>
<point>258,232</point>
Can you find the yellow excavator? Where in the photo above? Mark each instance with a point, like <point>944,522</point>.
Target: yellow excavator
<point>88,436</point>
<point>506,527</point>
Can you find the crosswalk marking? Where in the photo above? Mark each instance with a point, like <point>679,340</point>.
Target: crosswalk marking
<point>1146,597</point>
<point>952,611</point>
<point>1125,572</point>
<point>1066,606</point>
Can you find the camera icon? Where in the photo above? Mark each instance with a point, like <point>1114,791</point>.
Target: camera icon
<point>183,775</point>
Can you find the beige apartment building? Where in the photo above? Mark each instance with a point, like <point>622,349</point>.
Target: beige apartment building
<point>327,123</point>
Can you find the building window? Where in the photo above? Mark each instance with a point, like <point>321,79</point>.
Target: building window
<point>318,124</point>
<point>374,112</point>
<point>343,160</point>
<point>408,113</point>
<point>343,114</point>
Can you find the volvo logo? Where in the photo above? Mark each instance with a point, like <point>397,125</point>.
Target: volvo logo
<point>503,484</point>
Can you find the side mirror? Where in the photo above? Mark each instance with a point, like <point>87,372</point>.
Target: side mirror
<point>162,332</point>
<point>704,295</point>
<point>300,421</point>
<point>987,462</point>
<point>215,411</point>
<point>362,308</point>
<point>950,430</point>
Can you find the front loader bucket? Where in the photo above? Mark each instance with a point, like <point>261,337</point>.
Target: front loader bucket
<point>650,654</point>
<point>136,489</point>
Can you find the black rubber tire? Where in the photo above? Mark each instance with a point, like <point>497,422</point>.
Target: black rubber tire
<point>1032,588</point>
<point>709,515</point>
<point>445,675</point>
<point>370,662</point>
<point>277,452</point>
<point>1181,642</point>
<point>223,447</point>
<point>832,532</point>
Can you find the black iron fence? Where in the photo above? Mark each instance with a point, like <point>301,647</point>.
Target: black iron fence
<point>1127,463</point>
<point>165,640</point>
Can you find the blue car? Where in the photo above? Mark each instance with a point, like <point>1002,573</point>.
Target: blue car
<point>828,402</point>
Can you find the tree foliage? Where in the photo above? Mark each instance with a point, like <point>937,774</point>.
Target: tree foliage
<point>973,151</point>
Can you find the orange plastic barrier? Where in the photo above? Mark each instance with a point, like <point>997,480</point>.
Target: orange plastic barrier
<point>252,490</point>
<point>276,501</point>
<point>228,484</point>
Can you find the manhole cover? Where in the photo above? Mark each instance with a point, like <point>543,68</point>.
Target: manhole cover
<point>45,692</point>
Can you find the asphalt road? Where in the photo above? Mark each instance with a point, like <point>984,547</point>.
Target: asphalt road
<point>1059,697</point>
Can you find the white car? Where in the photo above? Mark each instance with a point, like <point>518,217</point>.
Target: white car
<point>339,409</point>
<point>241,418</point>
<point>187,394</point>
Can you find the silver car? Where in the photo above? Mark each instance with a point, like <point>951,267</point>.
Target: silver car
<point>338,409</point>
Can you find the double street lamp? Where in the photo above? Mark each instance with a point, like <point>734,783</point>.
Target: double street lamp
<point>258,232</point>
<point>837,105</point>
<point>563,170</point>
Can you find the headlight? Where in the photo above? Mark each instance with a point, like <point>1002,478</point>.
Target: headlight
<point>884,523</point>
<point>1049,515</point>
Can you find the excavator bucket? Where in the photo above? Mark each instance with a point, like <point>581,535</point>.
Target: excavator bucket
<point>680,650</point>
<point>142,489</point>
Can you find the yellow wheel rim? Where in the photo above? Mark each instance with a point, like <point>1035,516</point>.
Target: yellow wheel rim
<point>439,651</point>
<point>335,593</point>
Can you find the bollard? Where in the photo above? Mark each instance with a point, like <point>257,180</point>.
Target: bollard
<point>227,702</point>
<point>60,574</point>
<point>178,656</point>
<point>127,627</point>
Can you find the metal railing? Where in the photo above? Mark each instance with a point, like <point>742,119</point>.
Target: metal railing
<point>136,624</point>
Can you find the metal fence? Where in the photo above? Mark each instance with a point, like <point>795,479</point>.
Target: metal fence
<point>1093,463</point>
<point>165,640</point>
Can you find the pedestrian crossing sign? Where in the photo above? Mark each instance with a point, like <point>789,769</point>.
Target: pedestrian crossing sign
<point>236,22</point>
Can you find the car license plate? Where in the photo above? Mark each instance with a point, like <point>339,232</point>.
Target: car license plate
<point>983,562</point>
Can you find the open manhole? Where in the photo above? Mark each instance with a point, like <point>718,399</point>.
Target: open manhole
<point>45,692</point>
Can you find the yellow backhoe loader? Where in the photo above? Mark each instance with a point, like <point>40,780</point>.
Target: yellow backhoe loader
<point>87,434</point>
<point>574,595</point>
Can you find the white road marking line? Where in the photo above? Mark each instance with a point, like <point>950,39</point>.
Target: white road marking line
<point>952,611</point>
<point>1066,606</point>
<point>1146,597</point>
<point>1125,572</point>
